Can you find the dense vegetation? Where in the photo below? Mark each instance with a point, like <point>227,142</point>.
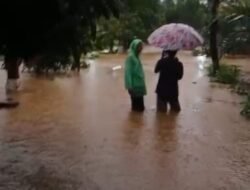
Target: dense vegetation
<point>57,30</point>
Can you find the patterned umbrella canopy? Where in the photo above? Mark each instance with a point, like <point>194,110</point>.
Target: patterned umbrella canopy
<point>175,37</point>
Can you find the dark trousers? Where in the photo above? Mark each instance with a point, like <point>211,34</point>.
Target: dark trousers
<point>162,104</point>
<point>137,103</point>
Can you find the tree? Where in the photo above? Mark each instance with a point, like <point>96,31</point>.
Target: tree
<point>30,28</point>
<point>214,27</point>
<point>137,19</point>
<point>191,12</point>
<point>108,32</point>
<point>236,9</point>
<point>23,24</point>
<point>236,19</point>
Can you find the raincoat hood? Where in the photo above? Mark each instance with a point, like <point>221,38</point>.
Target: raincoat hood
<point>134,45</point>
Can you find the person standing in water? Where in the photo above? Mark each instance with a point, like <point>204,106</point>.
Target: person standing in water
<point>134,76</point>
<point>171,71</point>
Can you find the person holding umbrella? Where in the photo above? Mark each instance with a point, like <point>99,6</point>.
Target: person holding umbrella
<point>172,37</point>
<point>134,76</point>
<point>171,71</point>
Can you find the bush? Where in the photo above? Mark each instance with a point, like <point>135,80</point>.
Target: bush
<point>93,55</point>
<point>237,44</point>
<point>246,108</point>
<point>227,74</point>
<point>54,63</point>
<point>196,52</point>
<point>210,71</point>
<point>200,51</point>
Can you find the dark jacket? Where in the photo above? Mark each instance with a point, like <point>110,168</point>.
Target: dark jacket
<point>171,70</point>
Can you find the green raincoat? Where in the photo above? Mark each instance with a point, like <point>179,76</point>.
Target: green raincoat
<point>134,74</point>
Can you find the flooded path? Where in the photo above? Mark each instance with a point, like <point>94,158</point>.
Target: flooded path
<point>77,133</point>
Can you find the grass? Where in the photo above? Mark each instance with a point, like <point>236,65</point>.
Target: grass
<point>227,74</point>
<point>230,74</point>
<point>246,107</point>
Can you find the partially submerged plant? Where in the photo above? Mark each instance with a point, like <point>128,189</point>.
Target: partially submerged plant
<point>227,74</point>
<point>246,109</point>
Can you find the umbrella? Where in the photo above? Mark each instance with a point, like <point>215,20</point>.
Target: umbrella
<point>175,36</point>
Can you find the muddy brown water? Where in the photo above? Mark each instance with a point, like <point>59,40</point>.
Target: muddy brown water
<point>78,133</point>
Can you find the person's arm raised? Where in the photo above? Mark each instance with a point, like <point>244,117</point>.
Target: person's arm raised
<point>158,67</point>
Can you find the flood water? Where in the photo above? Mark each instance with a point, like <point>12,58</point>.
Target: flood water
<point>77,133</point>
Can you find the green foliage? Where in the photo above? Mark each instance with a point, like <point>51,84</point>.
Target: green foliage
<point>137,19</point>
<point>191,12</point>
<point>140,18</point>
<point>210,72</point>
<point>123,29</point>
<point>227,74</point>
<point>196,52</point>
<point>235,27</point>
<point>236,43</point>
<point>236,10</point>
<point>52,63</point>
<point>93,55</point>
<point>107,32</point>
<point>242,88</point>
<point>131,26</point>
<point>54,27</point>
<point>200,51</point>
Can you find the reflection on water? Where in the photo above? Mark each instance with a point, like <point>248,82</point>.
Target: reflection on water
<point>133,127</point>
<point>166,137</point>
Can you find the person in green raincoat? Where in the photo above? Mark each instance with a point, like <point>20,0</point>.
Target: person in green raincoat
<point>134,76</point>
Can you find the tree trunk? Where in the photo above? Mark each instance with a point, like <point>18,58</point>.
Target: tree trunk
<point>12,67</point>
<point>111,46</point>
<point>77,59</point>
<point>84,64</point>
<point>214,35</point>
<point>125,45</point>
